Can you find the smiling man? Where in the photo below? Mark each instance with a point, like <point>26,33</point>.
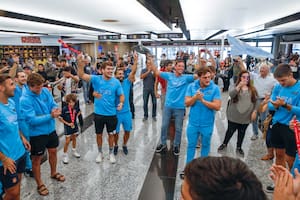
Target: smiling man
<point>174,104</point>
<point>39,109</point>
<point>12,151</point>
<point>107,91</point>
<point>203,96</point>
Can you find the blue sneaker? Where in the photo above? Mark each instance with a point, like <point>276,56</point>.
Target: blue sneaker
<point>125,150</point>
<point>116,150</point>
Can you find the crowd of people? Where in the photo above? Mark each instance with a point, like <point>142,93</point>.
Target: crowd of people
<point>193,86</point>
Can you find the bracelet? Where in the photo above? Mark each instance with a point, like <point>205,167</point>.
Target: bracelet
<point>284,105</point>
<point>4,159</point>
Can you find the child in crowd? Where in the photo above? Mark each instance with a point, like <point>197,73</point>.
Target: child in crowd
<point>69,114</point>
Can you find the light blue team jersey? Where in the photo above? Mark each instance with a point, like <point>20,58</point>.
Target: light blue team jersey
<point>176,88</point>
<point>37,108</point>
<point>200,115</point>
<point>291,95</point>
<point>16,98</point>
<point>11,144</point>
<point>109,90</point>
<point>126,85</point>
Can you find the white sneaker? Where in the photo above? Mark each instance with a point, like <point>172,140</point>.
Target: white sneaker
<point>65,159</point>
<point>75,153</point>
<point>99,158</point>
<point>254,137</point>
<point>112,158</point>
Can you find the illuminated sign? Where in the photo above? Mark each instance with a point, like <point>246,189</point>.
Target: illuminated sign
<point>109,37</point>
<point>139,36</point>
<point>170,35</point>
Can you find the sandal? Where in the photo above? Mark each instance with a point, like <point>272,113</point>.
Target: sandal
<point>42,190</point>
<point>59,177</point>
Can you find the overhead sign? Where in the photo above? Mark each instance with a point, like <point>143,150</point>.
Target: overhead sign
<point>109,37</point>
<point>170,35</point>
<point>139,36</point>
<point>31,39</point>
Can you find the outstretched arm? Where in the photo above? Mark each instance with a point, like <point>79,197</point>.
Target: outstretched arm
<point>81,63</point>
<point>131,76</point>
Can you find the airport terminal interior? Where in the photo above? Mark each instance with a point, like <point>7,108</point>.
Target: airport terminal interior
<point>46,33</point>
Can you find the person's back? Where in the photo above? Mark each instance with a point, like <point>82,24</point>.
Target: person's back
<point>220,178</point>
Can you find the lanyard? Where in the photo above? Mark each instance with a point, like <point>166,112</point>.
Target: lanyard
<point>297,135</point>
<point>72,114</point>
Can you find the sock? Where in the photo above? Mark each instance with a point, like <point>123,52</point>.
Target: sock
<point>111,149</point>
<point>100,149</point>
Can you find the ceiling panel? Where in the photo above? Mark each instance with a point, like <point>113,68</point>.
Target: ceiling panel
<point>202,18</point>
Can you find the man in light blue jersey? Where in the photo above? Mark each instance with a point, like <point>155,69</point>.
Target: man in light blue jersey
<point>12,151</point>
<point>285,101</point>
<point>124,115</point>
<point>21,80</point>
<point>174,104</point>
<point>203,96</point>
<point>38,107</point>
<point>107,91</point>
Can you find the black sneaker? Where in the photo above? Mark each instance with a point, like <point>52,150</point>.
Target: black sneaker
<point>270,188</point>
<point>176,151</point>
<point>240,151</point>
<point>125,150</point>
<point>222,147</point>
<point>161,148</point>
<point>28,173</point>
<point>116,150</point>
<point>181,175</point>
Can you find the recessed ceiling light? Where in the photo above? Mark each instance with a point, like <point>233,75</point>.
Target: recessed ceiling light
<point>110,20</point>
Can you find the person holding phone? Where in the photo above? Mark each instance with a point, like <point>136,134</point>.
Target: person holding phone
<point>285,101</point>
<point>241,110</point>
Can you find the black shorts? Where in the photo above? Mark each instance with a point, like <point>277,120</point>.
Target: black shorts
<point>9,180</point>
<point>283,137</point>
<point>110,122</point>
<point>41,142</point>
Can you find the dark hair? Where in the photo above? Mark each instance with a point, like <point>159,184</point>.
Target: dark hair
<point>35,79</point>
<point>212,178</point>
<point>67,69</point>
<point>71,97</point>
<point>282,70</point>
<point>63,60</point>
<point>250,86</point>
<point>105,64</point>
<point>203,70</point>
<point>178,61</point>
<point>118,69</point>
<point>18,71</point>
<point>168,62</point>
<point>3,78</point>
<point>212,69</point>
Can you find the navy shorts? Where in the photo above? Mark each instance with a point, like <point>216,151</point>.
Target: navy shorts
<point>9,180</point>
<point>110,122</point>
<point>41,142</point>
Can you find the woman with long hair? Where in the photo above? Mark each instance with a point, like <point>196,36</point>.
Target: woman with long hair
<point>241,110</point>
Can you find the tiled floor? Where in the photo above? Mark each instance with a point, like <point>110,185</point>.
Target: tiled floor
<point>85,179</point>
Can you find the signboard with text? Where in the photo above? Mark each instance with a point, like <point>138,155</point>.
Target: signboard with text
<point>170,35</point>
<point>109,37</point>
<point>31,39</point>
<point>139,36</point>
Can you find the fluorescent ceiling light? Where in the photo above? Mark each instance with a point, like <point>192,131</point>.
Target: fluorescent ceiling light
<point>36,27</point>
<point>130,14</point>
